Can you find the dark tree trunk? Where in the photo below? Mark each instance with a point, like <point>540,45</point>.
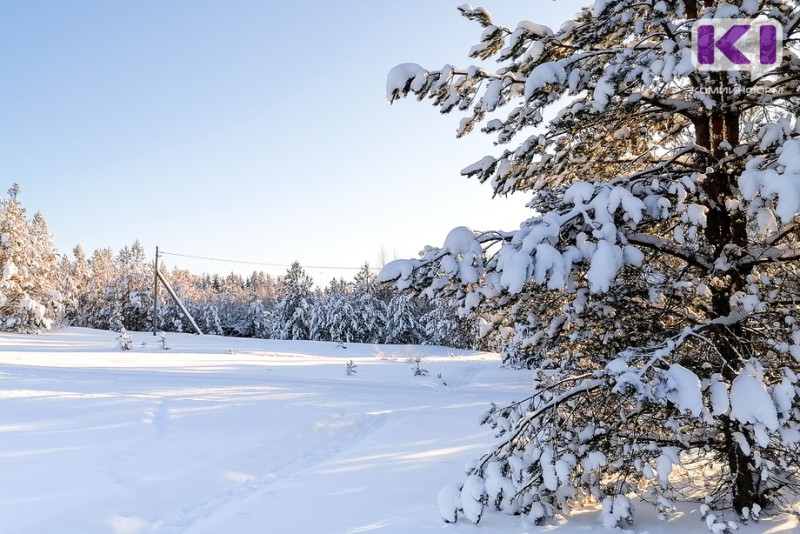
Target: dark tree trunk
<point>734,349</point>
<point>745,479</point>
<point>726,227</point>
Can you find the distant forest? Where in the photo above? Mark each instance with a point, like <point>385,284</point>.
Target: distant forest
<point>41,289</point>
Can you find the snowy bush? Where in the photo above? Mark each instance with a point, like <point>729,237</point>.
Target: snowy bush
<point>419,371</point>
<point>473,498</point>
<point>616,511</point>
<point>449,501</point>
<point>124,340</point>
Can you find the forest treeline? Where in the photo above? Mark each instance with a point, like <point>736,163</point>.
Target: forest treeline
<point>41,289</point>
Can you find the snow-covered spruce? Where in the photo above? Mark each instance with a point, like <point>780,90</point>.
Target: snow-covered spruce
<point>124,340</point>
<point>111,291</point>
<point>291,318</point>
<point>30,299</point>
<point>655,290</point>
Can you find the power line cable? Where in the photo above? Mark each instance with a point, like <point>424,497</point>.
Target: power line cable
<point>162,253</point>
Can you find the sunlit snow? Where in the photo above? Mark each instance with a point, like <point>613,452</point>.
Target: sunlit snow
<point>253,436</point>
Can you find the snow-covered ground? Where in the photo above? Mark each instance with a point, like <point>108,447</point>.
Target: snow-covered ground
<point>219,435</point>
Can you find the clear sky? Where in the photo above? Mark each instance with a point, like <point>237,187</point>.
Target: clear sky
<point>245,129</point>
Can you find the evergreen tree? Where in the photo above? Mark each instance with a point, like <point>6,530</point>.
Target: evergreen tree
<point>171,318</point>
<point>655,288</point>
<point>369,304</point>
<point>338,319</point>
<point>104,297</point>
<point>135,287</point>
<point>443,325</point>
<point>30,299</point>
<point>75,279</point>
<point>209,321</point>
<point>402,322</point>
<point>291,318</point>
<point>262,286</point>
<point>255,321</point>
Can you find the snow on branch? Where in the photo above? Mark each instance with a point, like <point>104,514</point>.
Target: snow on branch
<point>659,265</point>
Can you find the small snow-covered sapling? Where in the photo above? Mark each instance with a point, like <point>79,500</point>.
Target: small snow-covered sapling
<point>163,341</point>
<point>418,371</point>
<point>350,368</point>
<point>125,340</point>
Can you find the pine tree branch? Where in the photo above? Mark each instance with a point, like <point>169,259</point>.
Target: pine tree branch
<point>659,167</point>
<point>777,254</point>
<point>662,245</point>
<point>787,229</point>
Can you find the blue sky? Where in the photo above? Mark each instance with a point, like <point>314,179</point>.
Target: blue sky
<point>250,130</point>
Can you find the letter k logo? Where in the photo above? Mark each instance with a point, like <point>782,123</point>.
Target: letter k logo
<point>753,45</point>
<point>706,45</point>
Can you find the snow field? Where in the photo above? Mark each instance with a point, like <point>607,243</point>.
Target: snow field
<point>234,435</point>
<point>252,436</point>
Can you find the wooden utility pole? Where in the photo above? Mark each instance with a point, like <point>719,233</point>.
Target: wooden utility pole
<point>174,296</point>
<point>155,295</point>
<point>160,277</point>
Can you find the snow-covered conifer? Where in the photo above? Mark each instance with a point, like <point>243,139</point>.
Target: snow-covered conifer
<point>255,321</point>
<point>30,299</point>
<point>369,302</point>
<point>291,317</point>
<point>103,306</point>
<point>402,321</point>
<point>334,317</point>
<point>655,288</point>
<point>443,325</point>
<point>209,321</point>
<point>134,287</point>
<point>75,277</point>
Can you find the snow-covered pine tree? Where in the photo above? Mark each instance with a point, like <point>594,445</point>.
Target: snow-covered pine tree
<point>402,321</point>
<point>230,296</point>
<point>346,327</point>
<point>332,317</point>
<point>103,298</point>
<point>30,299</point>
<point>666,238</point>
<point>318,318</point>
<point>255,321</point>
<point>75,276</point>
<point>291,317</point>
<point>135,287</point>
<point>209,321</point>
<point>369,303</point>
<point>443,325</point>
<point>263,286</point>
<point>172,319</point>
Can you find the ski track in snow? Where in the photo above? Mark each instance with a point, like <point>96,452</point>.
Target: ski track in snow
<point>346,430</point>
